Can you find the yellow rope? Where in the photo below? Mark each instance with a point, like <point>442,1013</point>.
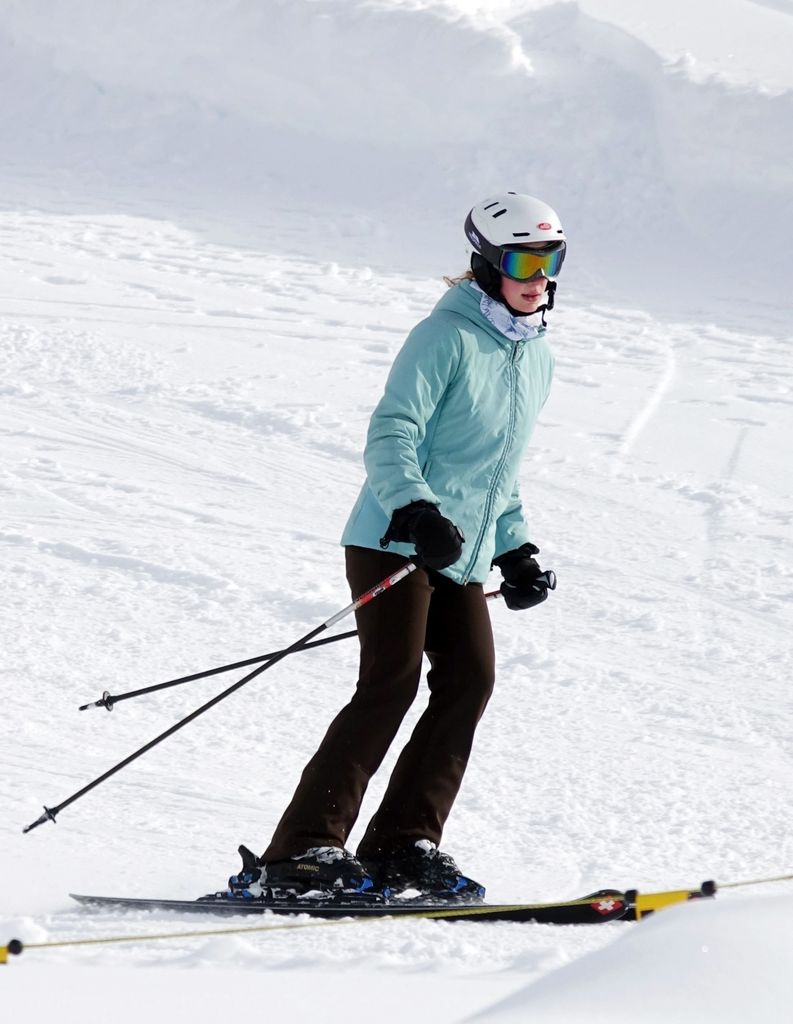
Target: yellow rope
<point>186,935</point>
<point>757,881</point>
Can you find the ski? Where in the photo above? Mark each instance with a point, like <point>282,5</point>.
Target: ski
<point>596,908</point>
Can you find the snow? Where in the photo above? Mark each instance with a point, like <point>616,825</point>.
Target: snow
<point>724,38</point>
<point>218,222</point>
<point>697,962</point>
<point>219,121</point>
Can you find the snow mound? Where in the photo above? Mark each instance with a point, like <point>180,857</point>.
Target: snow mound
<point>395,117</point>
<point>699,962</point>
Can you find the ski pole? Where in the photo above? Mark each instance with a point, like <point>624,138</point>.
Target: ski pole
<point>379,588</point>
<point>109,700</point>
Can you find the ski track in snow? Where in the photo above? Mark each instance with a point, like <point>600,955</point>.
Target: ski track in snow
<point>643,418</point>
<point>181,429</point>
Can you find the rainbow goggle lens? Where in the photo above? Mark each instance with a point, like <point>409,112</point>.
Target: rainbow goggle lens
<point>524,264</point>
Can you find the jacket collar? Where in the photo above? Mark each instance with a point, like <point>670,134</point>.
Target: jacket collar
<point>468,300</point>
<point>513,327</point>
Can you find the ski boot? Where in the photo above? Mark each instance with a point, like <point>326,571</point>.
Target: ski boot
<point>421,865</point>
<point>321,870</point>
<point>320,874</point>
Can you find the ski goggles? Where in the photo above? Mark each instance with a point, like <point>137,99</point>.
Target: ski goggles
<point>524,264</point>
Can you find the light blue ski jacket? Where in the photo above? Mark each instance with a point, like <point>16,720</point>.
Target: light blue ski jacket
<point>459,408</point>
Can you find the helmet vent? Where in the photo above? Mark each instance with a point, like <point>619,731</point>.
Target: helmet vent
<point>521,234</point>
<point>499,214</point>
<point>491,205</point>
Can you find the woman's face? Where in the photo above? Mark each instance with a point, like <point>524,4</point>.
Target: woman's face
<point>525,296</point>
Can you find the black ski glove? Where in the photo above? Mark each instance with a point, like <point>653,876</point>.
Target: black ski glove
<point>437,540</point>
<point>525,584</point>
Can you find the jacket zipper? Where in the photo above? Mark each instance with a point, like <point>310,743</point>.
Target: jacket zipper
<point>500,465</point>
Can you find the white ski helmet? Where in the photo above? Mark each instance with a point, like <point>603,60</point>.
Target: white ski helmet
<point>503,232</point>
<point>510,222</point>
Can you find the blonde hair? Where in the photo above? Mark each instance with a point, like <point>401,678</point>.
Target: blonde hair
<point>452,281</point>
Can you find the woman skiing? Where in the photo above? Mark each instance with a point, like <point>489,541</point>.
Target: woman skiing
<point>442,457</point>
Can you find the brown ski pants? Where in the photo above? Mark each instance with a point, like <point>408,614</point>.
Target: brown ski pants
<point>425,612</point>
